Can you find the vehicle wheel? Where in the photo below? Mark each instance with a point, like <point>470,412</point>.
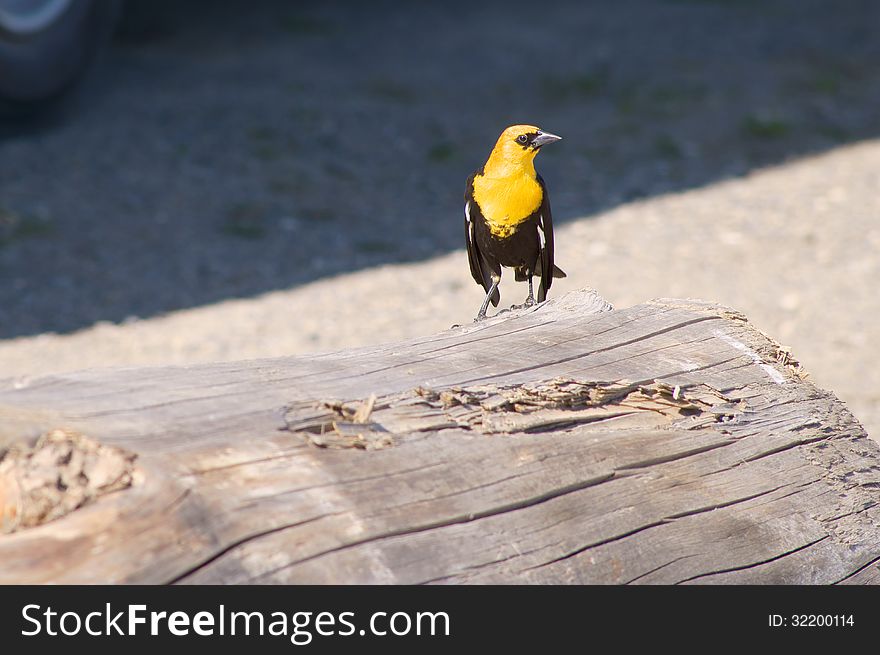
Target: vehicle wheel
<point>46,46</point>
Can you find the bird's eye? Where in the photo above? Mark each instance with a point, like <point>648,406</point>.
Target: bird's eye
<point>522,138</point>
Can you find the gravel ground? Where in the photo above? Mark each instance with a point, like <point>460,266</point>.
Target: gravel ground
<point>257,183</point>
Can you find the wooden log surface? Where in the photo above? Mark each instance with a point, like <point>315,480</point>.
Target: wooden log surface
<point>671,442</point>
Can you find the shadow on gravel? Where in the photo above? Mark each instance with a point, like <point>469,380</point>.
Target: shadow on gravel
<point>225,149</point>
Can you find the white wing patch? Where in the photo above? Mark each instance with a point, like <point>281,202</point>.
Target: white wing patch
<point>470,223</point>
<point>541,236</point>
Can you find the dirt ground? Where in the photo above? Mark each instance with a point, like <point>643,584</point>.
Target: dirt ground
<point>237,184</point>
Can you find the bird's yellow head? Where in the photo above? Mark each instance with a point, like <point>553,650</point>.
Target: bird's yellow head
<point>514,153</point>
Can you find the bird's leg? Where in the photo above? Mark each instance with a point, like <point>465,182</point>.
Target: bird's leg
<point>495,280</point>
<point>531,299</point>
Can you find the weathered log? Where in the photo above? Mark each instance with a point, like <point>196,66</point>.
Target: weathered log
<point>670,442</point>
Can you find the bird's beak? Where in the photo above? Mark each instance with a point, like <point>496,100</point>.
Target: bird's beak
<point>543,138</point>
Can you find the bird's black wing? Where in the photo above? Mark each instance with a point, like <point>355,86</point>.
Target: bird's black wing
<point>470,237</point>
<point>480,269</point>
<point>545,235</point>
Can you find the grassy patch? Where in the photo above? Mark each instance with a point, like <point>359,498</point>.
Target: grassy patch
<point>266,152</point>
<point>441,152</point>
<point>245,221</point>
<point>261,134</point>
<point>626,100</point>
<point>14,226</point>
<point>765,127</point>
<point>264,143</point>
<point>827,75</point>
<point>834,132</point>
<point>826,83</point>
<point>375,246</point>
<point>667,147</point>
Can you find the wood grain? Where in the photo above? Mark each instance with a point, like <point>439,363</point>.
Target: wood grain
<point>670,442</point>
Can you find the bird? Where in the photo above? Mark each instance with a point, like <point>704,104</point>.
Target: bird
<point>507,217</point>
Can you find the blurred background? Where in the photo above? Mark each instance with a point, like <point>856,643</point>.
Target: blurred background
<point>243,179</point>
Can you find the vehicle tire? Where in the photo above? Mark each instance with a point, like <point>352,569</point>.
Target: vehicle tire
<point>45,48</point>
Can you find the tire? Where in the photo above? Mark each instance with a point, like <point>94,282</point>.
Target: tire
<point>43,55</point>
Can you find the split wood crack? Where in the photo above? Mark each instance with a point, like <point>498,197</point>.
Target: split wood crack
<point>544,406</point>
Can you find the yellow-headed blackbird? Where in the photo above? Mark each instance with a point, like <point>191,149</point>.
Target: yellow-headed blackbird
<point>507,216</point>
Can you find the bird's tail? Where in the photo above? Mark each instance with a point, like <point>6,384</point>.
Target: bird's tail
<point>558,272</point>
<point>496,298</point>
